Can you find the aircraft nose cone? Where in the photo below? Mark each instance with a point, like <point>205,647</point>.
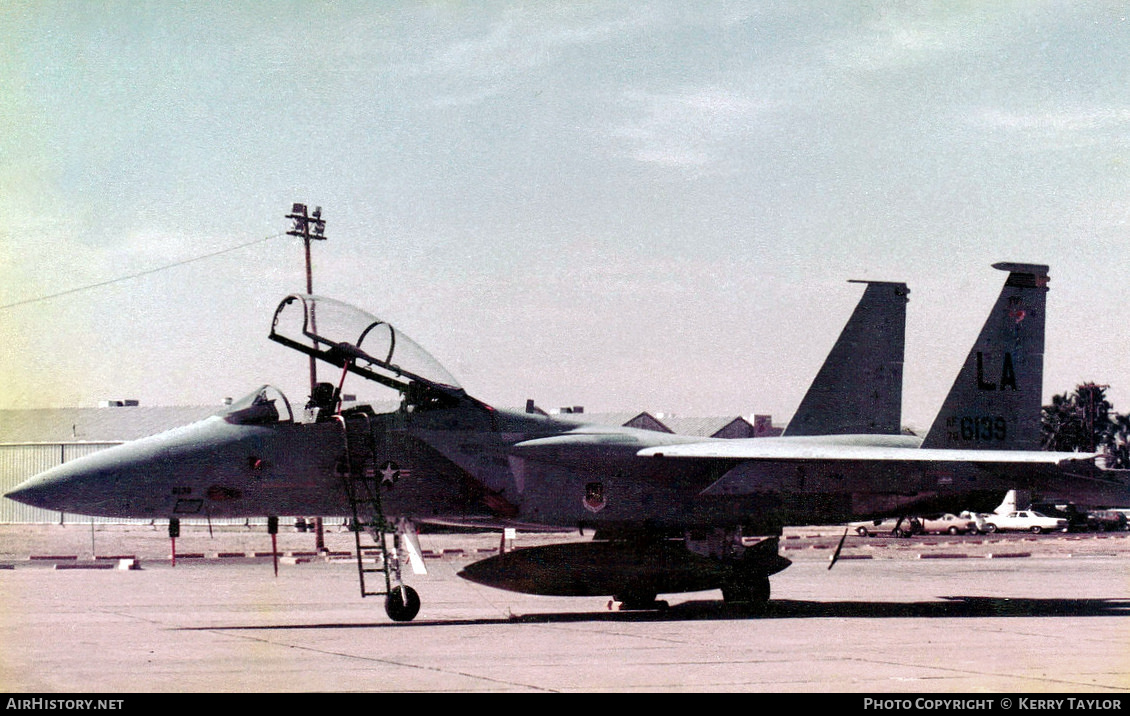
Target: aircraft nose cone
<point>40,491</point>
<point>78,486</point>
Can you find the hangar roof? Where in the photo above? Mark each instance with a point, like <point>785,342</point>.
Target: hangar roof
<point>705,426</point>
<point>116,424</point>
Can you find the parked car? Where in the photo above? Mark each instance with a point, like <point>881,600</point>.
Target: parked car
<point>1083,520</point>
<point>1025,521</point>
<point>977,518</point>
<point>888,526</point>
<point>947,522</point>
<point>1077,518</point>
<point>1107,520</point>
<point>1124,511</point>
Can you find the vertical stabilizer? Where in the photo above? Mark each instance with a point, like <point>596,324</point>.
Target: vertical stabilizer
<point>859,388</point>
<point>996,400</point>
<point>1013,501</point>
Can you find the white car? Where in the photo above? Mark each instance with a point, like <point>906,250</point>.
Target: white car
<point>1025,521</point>
<point>977,518</point>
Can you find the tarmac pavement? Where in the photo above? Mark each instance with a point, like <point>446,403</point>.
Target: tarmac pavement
<point>1019,614</point>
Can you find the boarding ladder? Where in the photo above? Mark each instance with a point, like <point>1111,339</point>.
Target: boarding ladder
<point>363,489</point>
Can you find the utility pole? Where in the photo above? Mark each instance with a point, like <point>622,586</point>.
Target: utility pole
<point>1089,410</point>
<point>310,228</point>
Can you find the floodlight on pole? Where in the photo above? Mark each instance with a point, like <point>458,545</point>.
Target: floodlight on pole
<point>308,227</point>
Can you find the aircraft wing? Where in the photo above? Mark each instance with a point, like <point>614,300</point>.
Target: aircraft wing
<point>768,449</point>
<point>754,465</point>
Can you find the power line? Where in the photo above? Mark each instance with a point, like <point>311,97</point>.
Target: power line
<point>142,273</point>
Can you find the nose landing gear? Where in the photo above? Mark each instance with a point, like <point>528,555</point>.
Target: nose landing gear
<point>402,604</point>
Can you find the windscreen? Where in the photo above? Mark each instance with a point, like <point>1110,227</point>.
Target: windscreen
<point>263,405</point>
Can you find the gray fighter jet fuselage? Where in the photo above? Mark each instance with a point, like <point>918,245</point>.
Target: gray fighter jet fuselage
<point>670,513</point>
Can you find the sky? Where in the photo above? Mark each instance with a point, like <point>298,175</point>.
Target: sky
<point>622,205</point>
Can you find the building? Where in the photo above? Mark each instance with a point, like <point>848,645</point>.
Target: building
<point>32,441</point>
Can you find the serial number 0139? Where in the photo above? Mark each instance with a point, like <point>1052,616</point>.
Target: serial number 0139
<point>980,428</point>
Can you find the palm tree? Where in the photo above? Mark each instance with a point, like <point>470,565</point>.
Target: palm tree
<point>1079,421</point>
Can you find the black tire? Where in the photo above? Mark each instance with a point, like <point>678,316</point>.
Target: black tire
<point>954,531</point>
<point>636,598</point>
<point>1036,529</point>
<point>747,589</point>
<point>402,604</point>
<point>990,528</point>
<point>862,532</point>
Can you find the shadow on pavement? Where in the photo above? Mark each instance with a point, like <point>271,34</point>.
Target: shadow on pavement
<point>955,607</point>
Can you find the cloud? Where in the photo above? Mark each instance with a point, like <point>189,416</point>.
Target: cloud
<point>688,128</point>
<point>1063,120</point>
<point>513,43</point>
<point>1057,129</point>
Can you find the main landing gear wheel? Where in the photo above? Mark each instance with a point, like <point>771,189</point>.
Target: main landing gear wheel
<point>637,600</point>
<point>749,592</point>
<point>402,604</point>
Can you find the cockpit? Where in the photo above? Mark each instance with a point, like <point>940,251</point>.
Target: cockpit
<point>359,342</point>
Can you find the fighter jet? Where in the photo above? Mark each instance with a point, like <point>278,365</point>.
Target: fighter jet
<point>668,513</point>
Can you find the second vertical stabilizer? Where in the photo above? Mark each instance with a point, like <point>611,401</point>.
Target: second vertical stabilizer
<point>995,402</point>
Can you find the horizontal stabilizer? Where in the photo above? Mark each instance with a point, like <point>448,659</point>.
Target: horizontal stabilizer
<point>581,446</point>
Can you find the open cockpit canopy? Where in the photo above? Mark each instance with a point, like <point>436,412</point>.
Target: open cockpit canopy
<point>353,339</point>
